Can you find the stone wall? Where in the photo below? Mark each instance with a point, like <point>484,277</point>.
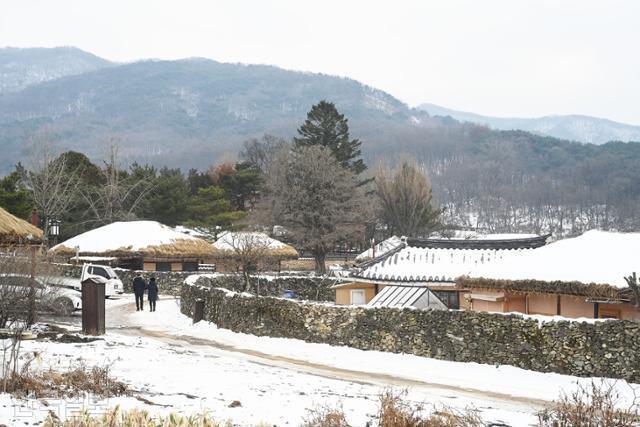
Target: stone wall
<point>170,282</point>
<point>605,348</point>
<point>306,287</point>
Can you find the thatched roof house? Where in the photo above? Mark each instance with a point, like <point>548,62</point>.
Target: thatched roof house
<point>15,231</point>
<point>146,245</point>
<point>232,246</point>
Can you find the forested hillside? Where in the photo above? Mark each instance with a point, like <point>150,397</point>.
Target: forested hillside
<point>516,181</point>
<point>183,113</point>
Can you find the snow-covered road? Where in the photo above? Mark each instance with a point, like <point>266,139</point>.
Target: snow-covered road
<point>176,366</point>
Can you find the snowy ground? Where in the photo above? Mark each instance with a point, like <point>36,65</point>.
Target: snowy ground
<point>175,366</point>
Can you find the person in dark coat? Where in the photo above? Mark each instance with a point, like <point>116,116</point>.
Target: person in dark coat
<point>139,286</point>
<point>152,293</point>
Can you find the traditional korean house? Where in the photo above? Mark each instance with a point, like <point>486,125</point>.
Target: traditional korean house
<point>233,249</point>
<point>421,272</point>
<point>578,277</point>
<point>137,245</point>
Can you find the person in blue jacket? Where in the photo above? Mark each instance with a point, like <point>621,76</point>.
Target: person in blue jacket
<point>152,293</point>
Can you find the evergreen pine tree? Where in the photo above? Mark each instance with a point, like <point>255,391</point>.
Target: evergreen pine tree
<point>326,127</point>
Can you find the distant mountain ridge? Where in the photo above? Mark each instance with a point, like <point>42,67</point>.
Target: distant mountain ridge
<point>20,68</point>
<point>185,112</point>
<point>573,127</point>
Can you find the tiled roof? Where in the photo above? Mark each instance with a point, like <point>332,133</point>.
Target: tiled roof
<point>440,260</point>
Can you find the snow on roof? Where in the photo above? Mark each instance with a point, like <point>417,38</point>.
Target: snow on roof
<point>380,249</point>
<point>135,237</point>
<point>242,240</point>
<point>431,264</point>
<point>474,235</point>
<point>594,257</point>
<point>194,232</point>
<point>442,260</point>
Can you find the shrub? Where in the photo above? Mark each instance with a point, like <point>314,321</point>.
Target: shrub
<point>395,411</point>
<point>325,416</point>
<point>137,418</point>
<point>75,382</point>
<point>596,405</point>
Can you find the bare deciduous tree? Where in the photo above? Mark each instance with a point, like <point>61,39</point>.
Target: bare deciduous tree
<point>317,201</point>
<point>52,185</point>
<point>248,250</point>
<point>17,309</point>
<point>260,153</point>
<point>405,199</point>
<point>120,195</point>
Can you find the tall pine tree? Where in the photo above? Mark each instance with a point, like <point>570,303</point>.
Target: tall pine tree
<point>326,127</point>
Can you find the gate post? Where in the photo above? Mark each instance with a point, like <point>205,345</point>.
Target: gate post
<point>93,319</point>
<point>198,312</point>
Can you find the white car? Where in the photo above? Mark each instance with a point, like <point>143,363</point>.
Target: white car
<point>49,296</point>
<point>113,285</point>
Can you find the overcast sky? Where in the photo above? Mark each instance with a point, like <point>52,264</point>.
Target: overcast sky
<point>503,58</point>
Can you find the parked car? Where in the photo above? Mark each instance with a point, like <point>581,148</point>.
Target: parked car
<point>56,298</point>
<point>112,287</point>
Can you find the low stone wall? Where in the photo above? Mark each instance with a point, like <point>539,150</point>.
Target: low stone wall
<point>306,287</point>
<point>607,349</point>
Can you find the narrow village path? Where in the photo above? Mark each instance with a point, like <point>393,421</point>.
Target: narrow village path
<point>121,319</point>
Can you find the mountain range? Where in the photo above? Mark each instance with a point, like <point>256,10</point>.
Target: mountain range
<point>573,127</point>
<point>180,113</point>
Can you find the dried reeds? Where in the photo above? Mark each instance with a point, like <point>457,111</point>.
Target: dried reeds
<point>14,230</point>
<point>591,290</point>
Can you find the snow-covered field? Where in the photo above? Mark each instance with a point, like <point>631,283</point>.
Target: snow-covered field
<point>175,366</point>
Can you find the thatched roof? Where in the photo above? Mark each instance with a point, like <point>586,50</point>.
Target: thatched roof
<point>590,290</point>
<point>133,239</point>
<point>232,244</point>
<point>600,257</point>
<point>14,230</point>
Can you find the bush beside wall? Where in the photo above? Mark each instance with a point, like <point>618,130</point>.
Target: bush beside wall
<point>607,349</point>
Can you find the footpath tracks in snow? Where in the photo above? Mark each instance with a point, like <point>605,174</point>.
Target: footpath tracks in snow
<point>121,319</point>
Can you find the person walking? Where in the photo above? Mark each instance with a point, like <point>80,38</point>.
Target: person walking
<point>152,294</point>
<point>139,286</point>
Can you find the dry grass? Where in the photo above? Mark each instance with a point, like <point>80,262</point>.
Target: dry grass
<point>135,418</point>
<point>325,416</point>
<point>177,249</point>
<point>592,290</point>
<point>75,382</point>
<point>396,411</point>
<point>594,406</point>
<point>14,230</point>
